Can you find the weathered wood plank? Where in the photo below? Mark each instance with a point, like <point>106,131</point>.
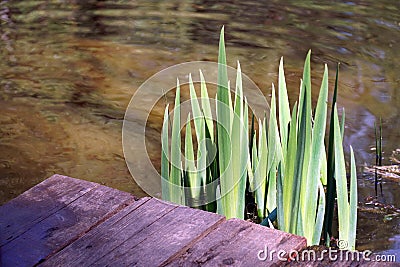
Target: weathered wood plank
<point>380,264</point>
<point>20,214</point>
<point>65,225</point>
<point>166,238</point>
<point>111,234</point>
<point>238,243</point>
<point>69,222</point>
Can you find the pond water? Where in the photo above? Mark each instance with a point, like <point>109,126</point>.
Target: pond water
<point>69,68</point>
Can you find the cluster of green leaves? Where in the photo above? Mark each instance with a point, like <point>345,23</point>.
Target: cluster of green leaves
<point>297,168</point>
<point>285,162</point>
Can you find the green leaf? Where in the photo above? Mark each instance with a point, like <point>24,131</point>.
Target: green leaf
<point>317,151</point>
<point>239,148</point>
<point>280,198</point>
<point>223,130</point>
<point>284,110</point>
<point>341,182</point>
<point>241,113</point>
<point>331,184</point>
<point>199,124</point>
<point>353,202</point>
<point>254,165</point>
<point>319,222</point>
<point>260,175</point>
<point>194,182</point>
<point>205,103</point>
<point>324,168</point>
<point>307,80</point>
<point>301,160</point>
<point>202,153</point>
<point>197,114</point>
<point>274,154</point>
<point>342,123</point>
<point>219,201</point>
<point>305,129</point>
<point>176,175</point>
<point>211,171</point>
<point>238,92</point>
<point>291,186</point>
<point>165,158</point>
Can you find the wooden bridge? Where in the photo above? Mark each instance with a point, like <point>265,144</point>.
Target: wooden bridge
<point>69,222</point>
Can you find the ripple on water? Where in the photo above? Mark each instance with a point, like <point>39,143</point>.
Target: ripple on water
<point>34,148</point>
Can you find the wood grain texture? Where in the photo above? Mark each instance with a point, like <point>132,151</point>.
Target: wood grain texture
<point>20,214</point>
<point>166,238</point>
<point>75,215</point>
<point>69,222</point>
<point>111,234</point>
<point>238,243</point>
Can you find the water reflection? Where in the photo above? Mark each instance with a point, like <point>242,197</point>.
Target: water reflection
<point>69,68</point>
<point>89,20</point>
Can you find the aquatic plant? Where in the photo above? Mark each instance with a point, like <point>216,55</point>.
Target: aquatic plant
<point>285,164</point>
<point>301,165</point>
<point>331,182</point>
<point>378,144</point>
<point>378,155</point>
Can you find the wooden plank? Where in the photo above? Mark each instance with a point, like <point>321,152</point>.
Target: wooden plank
<point>166,237</point>
<point>111,234</point>
<point>238,243</point>
<point>69,222</point>
<point>64,226</point>
<point>20,214</point>
<point>380,264</point>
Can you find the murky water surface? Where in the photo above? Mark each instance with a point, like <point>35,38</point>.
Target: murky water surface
<point>69,68</point>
